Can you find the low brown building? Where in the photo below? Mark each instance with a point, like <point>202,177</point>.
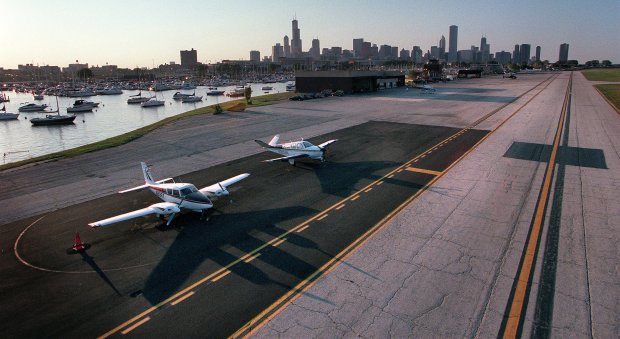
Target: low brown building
<point>348,81</point>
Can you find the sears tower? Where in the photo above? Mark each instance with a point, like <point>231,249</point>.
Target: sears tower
<point>296,41</point>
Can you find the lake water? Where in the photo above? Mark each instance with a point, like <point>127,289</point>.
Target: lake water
<point>20,140</point>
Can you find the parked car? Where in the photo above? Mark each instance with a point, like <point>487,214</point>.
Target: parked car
<point>339,93</point>
<point>296,98</point>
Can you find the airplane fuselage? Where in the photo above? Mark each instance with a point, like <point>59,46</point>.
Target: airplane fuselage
<point>184,195</point>
<point>313,152</point>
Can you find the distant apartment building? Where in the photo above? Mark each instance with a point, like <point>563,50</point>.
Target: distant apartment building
<point>358,46</point>
<point>404,54</point>
<point>277,52</point>
<point>255,56</point>
<point>563,53</point>
<point>435,54</point>
<point>525,53</point>
<point>287,47</point>
<point>442,48</point>
<point>189,59</point>
<point>537,53</point>
<point>74,68</point>
<point>452,48</point>
<point>502,57</point>
<point>416,54</point>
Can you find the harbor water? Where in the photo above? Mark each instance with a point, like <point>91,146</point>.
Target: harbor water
<point>20,140</point>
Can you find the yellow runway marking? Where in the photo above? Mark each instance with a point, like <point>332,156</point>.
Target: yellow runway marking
<point>368,189</point>
<point>517,310</point>
<point>279,242</point>
<point>341,206</point>
<point>421,170</point>
<point>355,198</point>
<point>380,183</point>
<point>227,272</point>
<point>302,229</point>
<point>322,217</point>
<point>249,259</point>
<point>390,176</point>
<point>129,329</point>
<point>182,298</point>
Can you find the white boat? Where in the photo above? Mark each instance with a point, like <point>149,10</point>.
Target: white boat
<point>84,92</point>
<point>32,108</point>
<point>153,102</point>
<point>38,96</point>
<point>192,98</point>
<point>267,88</point>
<point>137,99</point>
<point>4,98</point>
<point>180,96</point>
<point>110,91</point>
<point>7,116</point>
<point>215,93</point>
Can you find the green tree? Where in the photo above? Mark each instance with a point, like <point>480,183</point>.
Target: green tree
<point>248,95</point>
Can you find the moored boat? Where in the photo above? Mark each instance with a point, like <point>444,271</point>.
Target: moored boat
<point>32,108</point>
<point>153,102</point>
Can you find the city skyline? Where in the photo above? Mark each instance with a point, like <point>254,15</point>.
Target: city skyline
<point>147,34</point>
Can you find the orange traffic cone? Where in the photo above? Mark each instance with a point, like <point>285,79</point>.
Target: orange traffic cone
<point>78,246</point>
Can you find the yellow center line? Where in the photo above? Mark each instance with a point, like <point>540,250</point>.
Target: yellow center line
<point>380,183</point>
<point>523,278</point>
<point>129,329</point>
<point>368,189</point>
<point>227,272</point>
<point>254,256</point>
<point>279,242</point>
<point>421,170</point>
<point>355,198</point>
<point>340,207</point>
<point>390,176</point>
<point>182,298</point>
<point>322,217</point>
<point>302,229</point>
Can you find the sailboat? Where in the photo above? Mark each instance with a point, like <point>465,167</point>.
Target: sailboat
<point>51,119</point>
<point>7,116</point>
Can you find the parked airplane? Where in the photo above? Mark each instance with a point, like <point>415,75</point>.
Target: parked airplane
<point>295,149</point>
<point>175,197</point>
<point>428,89</point>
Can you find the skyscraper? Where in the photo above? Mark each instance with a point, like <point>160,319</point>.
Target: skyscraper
<point>525,53</point>
<point>516,55</point>
<point>563,53</point>
<point>189,59</point>
<point>485,50</point>
<point>296,41</point>
<point>358,45</point>
<point>287,47</point>
<point>316,49</point>
<point>454,32</point>
<point>277,52</point>
<point>442,48</point>
<point>537,53</point>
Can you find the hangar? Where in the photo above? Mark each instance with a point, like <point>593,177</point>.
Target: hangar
<point>348,81</point>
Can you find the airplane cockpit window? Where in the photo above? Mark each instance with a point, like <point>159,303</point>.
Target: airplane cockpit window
<point>307,144</point>
<point>188,190</point>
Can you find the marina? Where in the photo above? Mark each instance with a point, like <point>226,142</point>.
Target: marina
<point>114,116</point>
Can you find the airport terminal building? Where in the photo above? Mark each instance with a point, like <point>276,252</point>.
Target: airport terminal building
<point>348,81</point>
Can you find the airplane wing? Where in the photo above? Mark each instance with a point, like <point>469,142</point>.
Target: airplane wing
<point>288,158</point>
<point>327,143</point>
<point>162,208</point>
<point>219,189</point>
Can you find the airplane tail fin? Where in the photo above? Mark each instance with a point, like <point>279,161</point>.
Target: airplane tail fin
<point>275,140</point>
<point>148,178</point>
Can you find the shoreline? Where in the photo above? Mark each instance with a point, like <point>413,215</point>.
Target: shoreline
<point>124,138</point>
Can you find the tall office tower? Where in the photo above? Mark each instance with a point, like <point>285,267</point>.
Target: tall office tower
<point>394,53</point>
<point>296,41</point>
<point>442,47</point>
<point>563,53</point>
<point>485,50</point>
<point>516,55</point>
<point>502,57</point>
<point>525,54</point>
<point>255,56</point>
<point>316,49</point>
<point>434,53</point>
<point>366,50</point>
<point>416,54</point>
<point>384,52</point>
<point>287,47</point>
<point>189,59</point>
<point>537,53</point>
<point>452,51</point>
<point>404,54</point>
<point>358,45</point>
<point>277,52</point>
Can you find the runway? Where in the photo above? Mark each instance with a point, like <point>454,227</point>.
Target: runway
<point>297,239</point>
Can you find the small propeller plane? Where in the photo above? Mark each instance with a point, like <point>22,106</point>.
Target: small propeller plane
<point>175,196</point>
<point>295,149</point>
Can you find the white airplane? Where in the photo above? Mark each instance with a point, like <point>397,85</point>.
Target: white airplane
<point>175,197</point>
<point>295,149</point>
<point>428,89</point>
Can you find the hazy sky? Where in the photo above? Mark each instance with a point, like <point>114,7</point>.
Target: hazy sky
<point>148,33</point>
